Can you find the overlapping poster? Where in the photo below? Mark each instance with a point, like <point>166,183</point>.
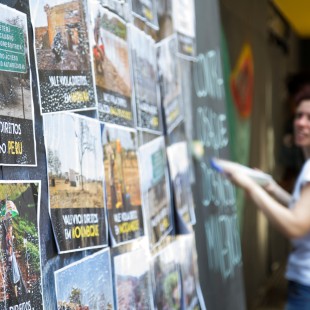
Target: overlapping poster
<point>76,176</point>
<point>111,65</point>
<point>155,190</point>
<point>146,10</point>
<point>120,7</point>
<point>167,279</point>
<point>179,171</point>
<point>183,16</point>
<point>17,143</point>
<point>144,68</point>
<point>122,180</point>
<point>86,284</point>
<point>63,55</point>
<point>20,281</point>
<point>133,280</point>
<point>169,80</point>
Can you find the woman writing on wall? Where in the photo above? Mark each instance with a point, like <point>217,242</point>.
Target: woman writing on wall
<point>290,214</point>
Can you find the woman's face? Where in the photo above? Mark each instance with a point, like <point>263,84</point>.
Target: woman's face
<point>302,124</point>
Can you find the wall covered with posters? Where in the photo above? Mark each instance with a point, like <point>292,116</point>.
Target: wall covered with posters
<point>99,190</point>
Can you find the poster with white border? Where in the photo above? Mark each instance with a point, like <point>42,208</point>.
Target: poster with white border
<point>86,284</point>
<point>155,190</point>
<point>146,10</point>
<point>18,145</point>
<point>76,181</point>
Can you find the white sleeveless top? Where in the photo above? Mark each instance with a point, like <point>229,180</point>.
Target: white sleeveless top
<point>298,267</point>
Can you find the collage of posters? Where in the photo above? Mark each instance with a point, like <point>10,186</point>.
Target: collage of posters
<point>94,85</point>
<point>17,145</point>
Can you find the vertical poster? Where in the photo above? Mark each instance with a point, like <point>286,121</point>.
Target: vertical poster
<point>179,170</point>
<point>122,183</point>
<point>133,281</point>
<point>144,69</point>
<point>146,11</point>
<point>167,281</point>
<point>169,80</point>
<point>86,284</point>
<point>20,280</point>
<point>62,55</point>
<point>155,190</point>
<point>111,65</point>
<point>75,175</point>
<point>183,16</point>
<point>17,143</point>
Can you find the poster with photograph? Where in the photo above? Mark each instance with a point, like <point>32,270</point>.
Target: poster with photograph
<point>20,281</point>
<point>110,53</point>
<point>122,181</point>
<point>86,284</point>
<point>187,259</point>
<point>62,55</point>
<point>169,80</point>
<point>166,279</point>
<point>183,17</point>
<point>17,145</point>
<point>133,280</point>
<point>76,176</point>
<point>155,190</point>
<point>120,7</point>
<point>144,69</point>
<point>180,174</point>
<point>146,10</point>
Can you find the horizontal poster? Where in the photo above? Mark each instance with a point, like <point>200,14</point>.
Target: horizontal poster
<point>17,142</point>
<point>20,281</point>
<point>155,190</point>
<point>62,54</point>
<point>120,7</point>
<point>86,284</point>
<point>144,68</point>
<point>133,281</point>
<point>180,175</point>
<point>146,11</point>
<point>183,15</point>
<point>76,175</point>
<point>169,82</point>
<point>111,65</point>
<point>122,184</point>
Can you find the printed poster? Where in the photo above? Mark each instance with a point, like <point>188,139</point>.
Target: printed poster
<point>75,175</point>
<point>183,16</point>
<point>62,55</point>
<point>155,190</point>
<point>144,68</point>
<point>111,66</point>
<point>86,284</point>
<point>122,184</point>
<point>146,10</point>
<point>179,171</point>
<point>169,80</point>
<point>20,281</point>
<point>133,280</point>
<point>17,143</point>
<point>120,7</point>
<point>167,280</point>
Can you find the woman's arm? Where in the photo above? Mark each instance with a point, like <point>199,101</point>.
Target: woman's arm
<point>280,194</point>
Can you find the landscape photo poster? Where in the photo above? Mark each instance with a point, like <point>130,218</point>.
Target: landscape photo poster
<point>86,284</point>
<point>133,280</point>
<point>144,71</point>
<point>155,190</point>
<point>20,281</point>
<point>62,55</point>
<point>17,144</point>
<point>146,11</point>
<point>166,278</point>
<point>183,17</point>
<point>122,180</point>
<point>169,80</point>
<point>110,53</point>
<point>76,180</point>
<point>177,154</point>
